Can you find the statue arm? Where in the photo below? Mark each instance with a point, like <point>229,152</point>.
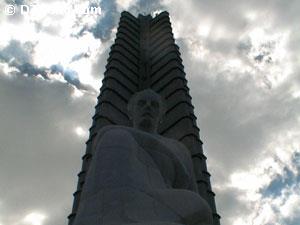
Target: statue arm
<point>187,162</point>
<point>101,132</point>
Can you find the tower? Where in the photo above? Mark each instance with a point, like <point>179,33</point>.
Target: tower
<point>143,56</point>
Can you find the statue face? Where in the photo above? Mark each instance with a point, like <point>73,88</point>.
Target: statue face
<point>147,110</point>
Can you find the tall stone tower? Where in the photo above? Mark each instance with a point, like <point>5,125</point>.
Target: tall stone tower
<point>143,56</point>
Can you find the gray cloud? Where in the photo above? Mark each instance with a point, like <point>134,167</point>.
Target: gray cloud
<point>70,76</point>
<point>105,24</point>
<point>249,114</point>
<point>17,52</point>
<point>146,7</point>
<point>17,18</point>
<point>98,67</point>
<point>50,29</point>
<point>40,153</point>
<point>16,2</point>
<point>80,56</point>
<point>32,70</point>
<point>19,56</point>
<point>230,205</point>
<point>111,14</point>
<point>287,179</point>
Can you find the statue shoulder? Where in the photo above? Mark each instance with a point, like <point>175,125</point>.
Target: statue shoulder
<point>105,129</point>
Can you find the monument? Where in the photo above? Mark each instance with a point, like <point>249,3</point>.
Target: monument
<point>144,163</point>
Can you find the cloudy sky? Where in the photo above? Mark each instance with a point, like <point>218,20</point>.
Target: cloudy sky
<point>242,59</point>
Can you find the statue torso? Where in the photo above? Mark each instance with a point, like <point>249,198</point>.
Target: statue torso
<point>170,156</point>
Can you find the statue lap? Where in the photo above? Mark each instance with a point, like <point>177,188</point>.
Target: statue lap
<point>138,178</point>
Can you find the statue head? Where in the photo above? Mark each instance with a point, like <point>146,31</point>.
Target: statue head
<point>146,109</point>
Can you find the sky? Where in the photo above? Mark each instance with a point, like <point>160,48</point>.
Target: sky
<point>243,68</point>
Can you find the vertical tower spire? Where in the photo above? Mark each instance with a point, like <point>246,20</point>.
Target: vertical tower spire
<point>145,55</point>
<point>144,60</point>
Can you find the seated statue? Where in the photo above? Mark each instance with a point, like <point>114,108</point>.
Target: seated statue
<point>138,177</point>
